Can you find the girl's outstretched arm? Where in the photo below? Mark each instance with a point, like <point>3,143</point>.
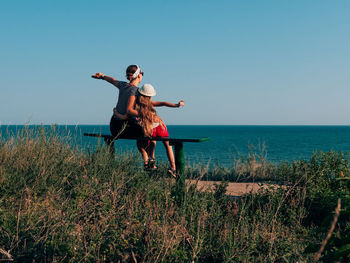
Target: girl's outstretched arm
<point>168,104</point>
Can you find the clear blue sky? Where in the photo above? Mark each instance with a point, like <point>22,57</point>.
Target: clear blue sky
<point>233,62</point>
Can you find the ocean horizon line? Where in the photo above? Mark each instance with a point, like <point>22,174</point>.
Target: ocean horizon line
<point>231,125</point>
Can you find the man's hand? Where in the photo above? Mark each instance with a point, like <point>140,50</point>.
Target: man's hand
<point>97,75</point>
<point>181,103</point>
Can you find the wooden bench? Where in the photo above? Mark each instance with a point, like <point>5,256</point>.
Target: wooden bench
<point>176,142</point>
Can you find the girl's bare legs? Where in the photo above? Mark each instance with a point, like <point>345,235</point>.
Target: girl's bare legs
<point>150,152</point>
<point>141,145</point>
<point>170,154</point>
<point>151,149</point>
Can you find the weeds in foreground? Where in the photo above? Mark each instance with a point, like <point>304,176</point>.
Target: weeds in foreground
<point>61,205</point>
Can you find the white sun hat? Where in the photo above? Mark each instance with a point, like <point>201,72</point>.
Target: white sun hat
<point>147,90</point>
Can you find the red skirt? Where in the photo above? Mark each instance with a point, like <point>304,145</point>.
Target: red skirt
<point>160,131</point>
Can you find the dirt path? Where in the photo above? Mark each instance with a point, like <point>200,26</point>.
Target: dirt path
<point>233,189</point>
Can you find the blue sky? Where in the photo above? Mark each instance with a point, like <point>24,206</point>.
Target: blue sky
<point>233,62</point>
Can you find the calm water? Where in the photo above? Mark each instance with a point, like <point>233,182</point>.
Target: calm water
<point>281,143</point>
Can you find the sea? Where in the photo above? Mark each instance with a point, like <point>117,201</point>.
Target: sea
<point>227,143</point>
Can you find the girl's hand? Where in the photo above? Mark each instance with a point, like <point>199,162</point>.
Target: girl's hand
<point>120,116</point>
<point>181,103</point>
<point>97,75</point>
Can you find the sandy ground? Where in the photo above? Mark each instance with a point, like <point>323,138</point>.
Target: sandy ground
<point>233,189</point>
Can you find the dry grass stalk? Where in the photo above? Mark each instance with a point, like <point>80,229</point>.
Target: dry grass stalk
<point>324,243</point>
<point>4,252</point>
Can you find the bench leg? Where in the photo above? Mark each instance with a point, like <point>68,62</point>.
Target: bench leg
<point>180,170</point>
<point>110,144</point>
<point>179,158</point>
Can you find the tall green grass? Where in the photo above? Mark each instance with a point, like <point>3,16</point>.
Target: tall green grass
<point>58,204</point>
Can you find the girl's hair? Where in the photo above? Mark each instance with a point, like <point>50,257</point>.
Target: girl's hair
<point>130,70</point>
<point>147,114</point>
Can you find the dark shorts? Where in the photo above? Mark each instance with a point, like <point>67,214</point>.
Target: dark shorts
<point>125,128</point>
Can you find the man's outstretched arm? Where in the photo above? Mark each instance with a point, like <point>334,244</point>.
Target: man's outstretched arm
<point>111,80</point>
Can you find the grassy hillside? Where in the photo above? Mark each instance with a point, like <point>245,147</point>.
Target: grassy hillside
<point>58,204</point>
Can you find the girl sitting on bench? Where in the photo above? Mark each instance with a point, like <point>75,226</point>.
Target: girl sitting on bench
<point>152,124</point>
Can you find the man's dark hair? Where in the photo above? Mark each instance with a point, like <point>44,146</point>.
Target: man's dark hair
<point>130,70</point>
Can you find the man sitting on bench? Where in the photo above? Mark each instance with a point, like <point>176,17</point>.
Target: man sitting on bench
<point>129,128</point>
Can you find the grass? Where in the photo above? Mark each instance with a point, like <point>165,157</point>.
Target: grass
<point>58,204</point>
